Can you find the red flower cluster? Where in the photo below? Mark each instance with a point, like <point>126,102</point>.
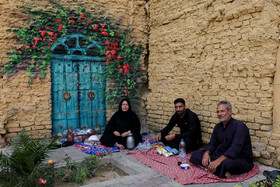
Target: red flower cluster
<point>60,27</point>
<point>126,68</point>
<point>120,69</point>
<point>126,91</point>
<point>112,49</point>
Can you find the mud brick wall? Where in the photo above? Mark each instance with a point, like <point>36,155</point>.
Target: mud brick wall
<point>203,51</point>
<point>207,51</point>
<point>29,106</point>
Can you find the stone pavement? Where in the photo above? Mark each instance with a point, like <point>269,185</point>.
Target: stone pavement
<point>140,174</point>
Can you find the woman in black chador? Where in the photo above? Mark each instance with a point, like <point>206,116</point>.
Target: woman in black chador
<point>123,122</point>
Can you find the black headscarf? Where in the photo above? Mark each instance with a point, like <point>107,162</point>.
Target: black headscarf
<point>122,113</point>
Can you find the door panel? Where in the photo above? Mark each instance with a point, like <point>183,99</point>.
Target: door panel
<point>78,95</point>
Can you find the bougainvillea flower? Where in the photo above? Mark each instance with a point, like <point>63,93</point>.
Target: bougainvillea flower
<point>19,51</point>
<point>27,47</point>
<point>102,26</point>
<point>50,33</point>
<point>83,15</point>
<point>43,33</point>
<point>104,33</point>
<point>95,27</point>
<point>50,162</point>
<point>113,52</point>
<point>119,57</point>
<point>107,53</point>
<point>125,90</point>
<point>120,70</point>
<point>60,27</point>
<point>47,27</point>
<point>33,62</point>
<point>44,181</point>
<point>107,42</point>
<point>73,21</point>
<point>90,21</point>
<point>36,39</point>
<point>57,20</point>
<point>126,68</point>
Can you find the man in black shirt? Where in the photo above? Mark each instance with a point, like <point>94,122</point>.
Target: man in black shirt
<point>189,125</point>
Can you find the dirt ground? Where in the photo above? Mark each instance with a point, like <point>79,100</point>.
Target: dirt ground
<point>105,172</point>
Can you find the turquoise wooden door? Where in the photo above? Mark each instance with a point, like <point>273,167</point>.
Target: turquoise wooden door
<point>78,86</point>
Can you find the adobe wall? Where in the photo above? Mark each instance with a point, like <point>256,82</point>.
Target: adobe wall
<point>203,51</point>
<point>207,51</point>
<point>29,106</point>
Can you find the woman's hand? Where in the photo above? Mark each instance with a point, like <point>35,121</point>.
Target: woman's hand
<point>116,133</point>
<point>125,133</point>
<point>120,146</point>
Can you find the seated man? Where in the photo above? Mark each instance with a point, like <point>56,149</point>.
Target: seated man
<point>229,151</point>
<point>189,126</point>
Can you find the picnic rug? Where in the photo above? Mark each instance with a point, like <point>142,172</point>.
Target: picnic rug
<point>194,175</point>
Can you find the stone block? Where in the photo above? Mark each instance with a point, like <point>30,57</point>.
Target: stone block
<point>266,127</point>
<point>270,149</point>
<point>26,123</point>
<point>9,135</point>
<point>275,136</point>
<point>14,129</point>
<point>265,161</point>
<point>252,132</point>
<point>12,125</point>
<point>3,131</point>
<point>274,143</point>
<point>262,134</point>
<point>278,159</point>
<point>263,120</point>
<point>276,164</point>
<point>253,126</point>
<point>256,154</point>
<point>255,139</point>
<point>265,154</point>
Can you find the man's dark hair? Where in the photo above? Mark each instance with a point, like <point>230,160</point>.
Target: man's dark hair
<point>229,107</point>
<point>179,100</point>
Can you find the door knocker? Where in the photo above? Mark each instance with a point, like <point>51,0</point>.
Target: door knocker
<point>67,96</point>
<point>91,95</point>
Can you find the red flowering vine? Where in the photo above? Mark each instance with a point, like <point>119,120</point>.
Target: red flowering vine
<point>119,57</point>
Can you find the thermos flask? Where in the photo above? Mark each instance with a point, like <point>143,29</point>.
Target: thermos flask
<point>130,141</point>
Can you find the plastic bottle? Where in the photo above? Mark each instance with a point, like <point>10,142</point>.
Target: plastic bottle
<point>182,152</point>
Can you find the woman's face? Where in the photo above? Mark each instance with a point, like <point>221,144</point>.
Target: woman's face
<point>125,106</point>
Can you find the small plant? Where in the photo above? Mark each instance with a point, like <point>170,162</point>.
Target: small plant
<point>78,171</point>
<point>25,166</point>
<point>264,183</point>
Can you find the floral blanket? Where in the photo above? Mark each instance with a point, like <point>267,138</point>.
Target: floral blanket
<point>99,150</point>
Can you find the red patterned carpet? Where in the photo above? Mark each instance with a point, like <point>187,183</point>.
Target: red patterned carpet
<point>193,175</point>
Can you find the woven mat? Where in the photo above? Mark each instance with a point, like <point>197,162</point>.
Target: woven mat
<point>193,175</point>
